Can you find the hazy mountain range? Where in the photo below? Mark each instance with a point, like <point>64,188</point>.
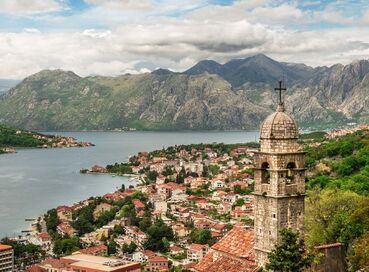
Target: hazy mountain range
<point>235,95</point>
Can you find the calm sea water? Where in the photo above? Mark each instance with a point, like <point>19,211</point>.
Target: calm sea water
<point>35,180</point>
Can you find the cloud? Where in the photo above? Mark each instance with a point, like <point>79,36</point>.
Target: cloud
<point>133,39</point>
<point>122,4</point>
<point>28,7</point>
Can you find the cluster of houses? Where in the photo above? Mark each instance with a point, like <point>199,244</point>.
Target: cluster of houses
<point>220,205</point>
<point>60,141</point>
<point>335,133</point>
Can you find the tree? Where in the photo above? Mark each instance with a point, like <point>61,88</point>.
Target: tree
<point>359,255</point>
<point>156,233</point>
<point>334,215</point>
<point>289,255</point>
<point>129,249</point>
<point>66,246</point>
<point>181,176</point>
<point>118,229</point>
<point>52,220</point>
<point>201,236</point>
<point>112,247</point>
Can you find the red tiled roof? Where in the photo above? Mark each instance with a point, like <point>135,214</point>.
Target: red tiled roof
<point>197,247</point>
<point>149,253</point>
<point>225,264</point>
<point>34,268</point>
<point>189,265</point>
<point>219,226</point>
<point>54,263</point>
<point>93,250</point>
<point>172,186</point>
<point>157,259</point>
<point>238,242</point>
<point>138,204</point>
<point>176,248</point>
<point>234,253</point>
<point>215,234</point>
<point>44,235</point>
<point>5,247</point>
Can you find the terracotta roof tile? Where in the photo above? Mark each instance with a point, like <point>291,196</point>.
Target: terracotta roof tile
<point>5,247</point>
<point>238,242</point>
<point>234,253</point>
<point>158,259</point>
<point>93,250</point>
<point>197,247</point>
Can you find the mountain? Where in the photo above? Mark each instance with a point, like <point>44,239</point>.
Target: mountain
<point>59,100</point>
<point>235,95</point>
<point>255,69</point>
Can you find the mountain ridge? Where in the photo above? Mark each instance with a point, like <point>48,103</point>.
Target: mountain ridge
<point>232,96</point>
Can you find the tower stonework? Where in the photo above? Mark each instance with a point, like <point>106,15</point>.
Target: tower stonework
<point>279,182</point>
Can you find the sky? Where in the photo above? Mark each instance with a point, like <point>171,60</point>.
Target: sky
<point>113,37</point>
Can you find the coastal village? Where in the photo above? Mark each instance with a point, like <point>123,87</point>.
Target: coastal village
<point>13,138</point>
<point>198,193</point>
<point>190,208</point>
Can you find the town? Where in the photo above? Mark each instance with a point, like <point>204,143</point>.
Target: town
<point>192,208</point>
<point>187,199</point>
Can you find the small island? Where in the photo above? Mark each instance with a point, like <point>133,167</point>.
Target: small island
<point>12,138</point>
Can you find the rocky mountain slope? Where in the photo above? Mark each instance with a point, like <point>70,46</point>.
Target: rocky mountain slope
<point>235,95</point>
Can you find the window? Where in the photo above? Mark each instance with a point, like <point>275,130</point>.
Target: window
<point>265,176</point>
<point>290,171</point>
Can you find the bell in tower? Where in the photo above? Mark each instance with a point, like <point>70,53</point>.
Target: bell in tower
<point>279,181</point>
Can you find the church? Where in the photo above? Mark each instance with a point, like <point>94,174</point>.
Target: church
<point>279,190</point>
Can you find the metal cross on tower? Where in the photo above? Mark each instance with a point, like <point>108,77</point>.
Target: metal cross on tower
<point>280,89</point>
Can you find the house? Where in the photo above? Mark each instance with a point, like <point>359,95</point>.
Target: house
<point>64,213</point>
<point>100,250</point>
<point>44,237</point>
<point>158,159</point>
<point>238,212</point>
<point>224,208</point>
<point>218,195</point>
<point>90,263</point>
<point>139,206</point>
<point>65,229</point>
<point>160,179</point>
<point>217,184</point>
<point>174,250</point>
<point>116,196</point>
<point>142,256</point>
<point>161,207</point>
<point>101,208</point>
<point>171,188</point>
<point>230,198</point>
<point>221,228</point>
<point>196,252</point>
<point>136,234</point>
<point>216,235</point>
<point>98,169</point>
<point>157,263</point>
<point>180,230</point>
<point>51,265</point>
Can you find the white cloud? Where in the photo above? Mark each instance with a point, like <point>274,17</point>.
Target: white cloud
<point>28,6</point>
<point>122,4</point>
<point>138,40</point>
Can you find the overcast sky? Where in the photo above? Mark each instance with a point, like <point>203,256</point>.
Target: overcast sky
<point>112,37</point>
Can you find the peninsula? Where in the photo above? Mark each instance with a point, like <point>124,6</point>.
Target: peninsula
<point>12,138</point>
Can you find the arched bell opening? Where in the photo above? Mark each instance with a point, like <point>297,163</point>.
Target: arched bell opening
<point>265,176</point>
<point>291,166</point>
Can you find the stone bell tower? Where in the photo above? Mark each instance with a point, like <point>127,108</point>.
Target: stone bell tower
<point>279,181</point>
